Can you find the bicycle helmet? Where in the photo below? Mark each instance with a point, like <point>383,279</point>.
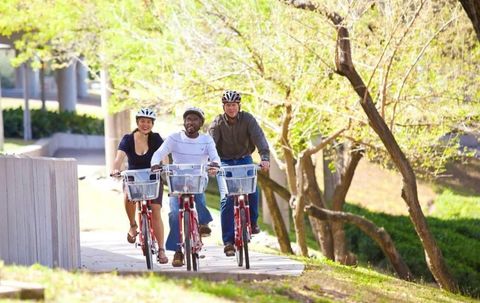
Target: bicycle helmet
<point>194,110</point>
<point>231,96</point>
<point>146,113</point>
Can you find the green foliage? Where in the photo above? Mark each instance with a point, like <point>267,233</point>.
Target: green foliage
<point>46,123</point>
<point>452,205</point>
<point>458,236</point>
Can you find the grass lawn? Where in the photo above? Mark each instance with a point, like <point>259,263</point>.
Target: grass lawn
<point>12,145</point>
<point>323,281</point>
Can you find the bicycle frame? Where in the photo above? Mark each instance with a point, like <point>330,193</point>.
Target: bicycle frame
<point>144,210</point>
<point>141,189</point>
<point>184,181</point>
<point>240,181</point>
<point>241,202</point>
<point>193,239</point>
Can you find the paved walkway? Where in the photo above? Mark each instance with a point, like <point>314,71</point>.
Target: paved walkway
<point>107,251</point>
<point>103,251</point>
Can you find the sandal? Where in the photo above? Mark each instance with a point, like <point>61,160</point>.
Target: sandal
<point>132,238</point>
<point>161,257</point>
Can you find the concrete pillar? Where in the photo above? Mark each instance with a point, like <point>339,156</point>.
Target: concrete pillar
<point>2,135</point>
<point>82,89</point>
<point>116,125</point>
<point>27,123</point>
<point>33,80</point>
<point>19,77</point>
<point>67,88</point>
<point>279,176</point>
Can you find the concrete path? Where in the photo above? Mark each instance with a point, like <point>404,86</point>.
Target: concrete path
<point>104,251</point>
<point>108,251</point>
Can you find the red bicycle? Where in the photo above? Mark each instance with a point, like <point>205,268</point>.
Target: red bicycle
<point>142,187</point>
<point>186,180</point>
<point>241,180</point>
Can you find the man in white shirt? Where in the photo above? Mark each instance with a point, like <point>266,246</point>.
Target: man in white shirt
<point>187,147</point>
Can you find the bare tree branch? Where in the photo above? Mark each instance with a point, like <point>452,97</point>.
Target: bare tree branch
<point>420,55</point>
<point>378,234</point>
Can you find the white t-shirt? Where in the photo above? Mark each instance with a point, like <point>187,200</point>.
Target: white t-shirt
<point>187,150</point>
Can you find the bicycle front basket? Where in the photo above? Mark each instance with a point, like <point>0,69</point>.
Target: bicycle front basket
<point>141,184</point>
<point>186,178</point>
<point>240,179</point>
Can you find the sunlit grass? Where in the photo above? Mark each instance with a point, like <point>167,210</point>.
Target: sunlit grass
<point>323,281</point>
<point>12,145</point>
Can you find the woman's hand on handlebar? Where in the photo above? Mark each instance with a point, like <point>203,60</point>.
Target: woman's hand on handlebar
<point>156,167</point>
<point>115,173</point>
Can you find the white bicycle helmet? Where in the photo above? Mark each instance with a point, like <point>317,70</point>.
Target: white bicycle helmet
<point>146,113</point>
<point>231,96</point>
<point>194,110</point>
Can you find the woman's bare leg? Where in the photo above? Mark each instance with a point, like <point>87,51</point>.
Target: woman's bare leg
<point>158,225</point>
<point>130,209</point>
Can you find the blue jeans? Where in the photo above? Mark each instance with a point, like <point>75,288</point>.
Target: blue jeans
<point>204,217</point>
<point>226,203</point>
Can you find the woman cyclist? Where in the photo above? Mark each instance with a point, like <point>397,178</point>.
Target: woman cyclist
<point>139,147</point>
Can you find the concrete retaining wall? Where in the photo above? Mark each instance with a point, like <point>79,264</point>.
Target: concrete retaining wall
<point>48,146</point>
<point>39,214</point>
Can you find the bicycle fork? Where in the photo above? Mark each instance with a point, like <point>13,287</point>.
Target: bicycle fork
<point>144,208</point>
<point>241,202</point>
<point>186,203</point>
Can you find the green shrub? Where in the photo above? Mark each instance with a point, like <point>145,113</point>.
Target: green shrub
<point>458,238</point>
<point>46,123</point>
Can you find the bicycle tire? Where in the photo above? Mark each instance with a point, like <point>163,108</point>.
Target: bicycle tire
<point>239,243</point>
<point>195,262</point>
<point>188,243</point>
<point>195,255</point>
<point>246,256</point>
<point>147,242</point>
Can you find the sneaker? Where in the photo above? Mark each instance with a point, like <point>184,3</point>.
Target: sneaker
<point>205,231</point>
<point>177,259</point>
<point>255,229</point>
<point>229,250</point>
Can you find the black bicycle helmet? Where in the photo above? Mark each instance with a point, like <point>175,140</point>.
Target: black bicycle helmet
<point>231,96</point>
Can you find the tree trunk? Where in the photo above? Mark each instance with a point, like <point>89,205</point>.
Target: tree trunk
<point>299,213</point>
<point>265,181</point>
<point>322,229</point>
<point>277,220</point>
<point>345,68</point>
<point>338,201</point>
<point>42,86</point>
<point>472,8</point>
<point>379,235</point>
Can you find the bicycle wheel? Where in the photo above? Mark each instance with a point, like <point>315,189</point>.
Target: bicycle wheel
<point>186,236</point>
<point>147,241</point>
<point>195,262</point>
<point>239,242</point>
<point>244,229</point>
<point>195,238</point>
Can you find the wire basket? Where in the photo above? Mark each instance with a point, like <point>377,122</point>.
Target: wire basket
<point>186,178</point>
<point>240,179</point>
<point>141,184</point>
